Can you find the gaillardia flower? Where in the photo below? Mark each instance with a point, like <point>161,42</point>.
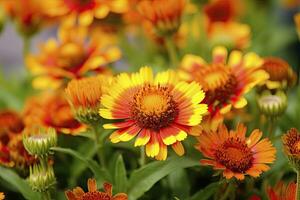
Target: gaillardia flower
<point>51,110</point>
<point>84,97</point>
<point>282,191</point>
<point>165,17</point>
<point>234,153</point>
<point>158,110</point>
<point>71,56</point>
<point>225,82</point>
<point>272,105</point>
<point>291,145</point>
<point>281,74</point>
<point>84,10</point>
<point>93,193</point>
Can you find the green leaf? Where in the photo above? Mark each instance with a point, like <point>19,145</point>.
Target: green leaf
<point>144,178</point>
<point>179,183</point>
<point>100,174</point>
<point>20,184</point>
<point>77,167</point>
<point>207,192</point>
<point>120,178</point>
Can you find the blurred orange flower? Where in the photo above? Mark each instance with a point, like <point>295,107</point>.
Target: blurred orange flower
<point>280,72</point>
<point>234,153</point>
<point>12,151</point>
<point>51,110</point>
<point>84,11</point>
<point>71,56</point>
<point>93,193</point>
<point>164,16</point>
<point>28,20</point>
<point>282,191</point>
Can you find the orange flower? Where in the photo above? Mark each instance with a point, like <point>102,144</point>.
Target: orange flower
<point>280,72</point>
<point>93,193</point>
<point>159,110</point>
<point>291,145</point>
<point>224,82</point>
<point>85,11</point>
<point>69,57</point>
<point>221,10</point>
<point>28,20</point>
<point>282,191</point>
<point>231,34</point>
<point>235,154</point>
<point>51,110</point>
<point>10,124</point>
<point>2,196</point>
<point>165,17</point>
<point>84,97</point>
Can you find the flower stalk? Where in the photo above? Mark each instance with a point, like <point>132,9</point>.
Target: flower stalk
<point>171,48</point>
<point>99,144</point>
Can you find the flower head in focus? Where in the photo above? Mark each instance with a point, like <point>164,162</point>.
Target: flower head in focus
<point>159,111</point>
<point>291,145</point>
<point>84,97</point>
<point>225,82</point>
<point>234,153</point>
<point>282,191</point>
<point>51,109</point>
<point>93,193</point>
<point>73,55</point>
<point>84,11</point>
<point>164,16</point>
<point>281,73</point>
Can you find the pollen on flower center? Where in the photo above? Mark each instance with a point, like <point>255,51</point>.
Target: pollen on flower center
<point>95,196</point>
<point>154,107</point>
<point>217,81</point>
<point>235,155</point>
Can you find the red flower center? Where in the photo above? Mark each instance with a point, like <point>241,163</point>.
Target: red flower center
<point>153,107</point>
<point>235,155</point>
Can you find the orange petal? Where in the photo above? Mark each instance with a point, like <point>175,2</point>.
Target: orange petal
<point>92,185</point>
<point>178,148</point>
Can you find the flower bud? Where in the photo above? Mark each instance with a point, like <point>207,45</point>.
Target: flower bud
<point>41,178</point>
<point>39,141</point>
<point>272,105</point>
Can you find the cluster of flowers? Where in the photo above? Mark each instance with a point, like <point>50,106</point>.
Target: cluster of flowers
<point>157,110</point>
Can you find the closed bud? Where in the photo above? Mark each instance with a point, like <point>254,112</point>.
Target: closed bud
<point>38,141</point>
<point>41,178</point>
<point>272,105</point>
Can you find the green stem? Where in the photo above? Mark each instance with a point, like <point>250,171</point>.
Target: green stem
<point>46,195</point>
<point>229,189</point>
<point>298,185</point>
<point>99,145</point>
<point>26,46</point>
<point>142,157</point>
<point>171,51</point>
<point>271,128</point>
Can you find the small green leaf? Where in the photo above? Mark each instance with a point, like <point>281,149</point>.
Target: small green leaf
<point>100,174</point>
<point>20,184</point>
<point>179,183</point>
<point>144,178</point>
<point>207,192</point>
<point>120,175</point>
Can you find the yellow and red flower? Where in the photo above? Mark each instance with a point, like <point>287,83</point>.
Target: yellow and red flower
<point>51,110</point>
<point>225,82</point>
<point>79,194</point>
<point>85,11</point>
<point>280,72</point>
<point>234,153</point>
<point>69,57</point>
<point>165,17</point>
<point>158,110</point>
<point>282,191</point>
